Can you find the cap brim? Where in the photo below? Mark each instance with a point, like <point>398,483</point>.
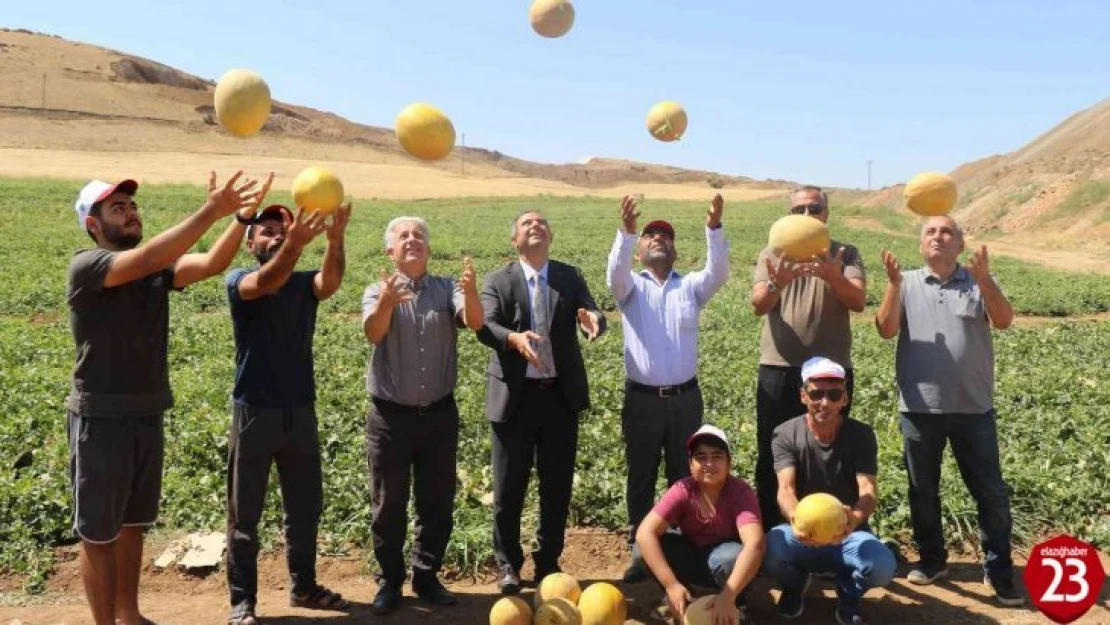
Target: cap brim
<point>692,442</point>
<point>274,210</point>
<point>127,186</point>
<point>660,225</point>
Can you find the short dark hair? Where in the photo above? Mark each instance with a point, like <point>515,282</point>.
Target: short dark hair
<point>94,211</point>
<point>809,188</point>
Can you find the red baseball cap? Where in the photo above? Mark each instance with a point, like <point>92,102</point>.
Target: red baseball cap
<point>659,225</point>
<point>275,211</point>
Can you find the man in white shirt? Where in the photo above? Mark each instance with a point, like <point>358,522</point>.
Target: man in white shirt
<point>660,310</point>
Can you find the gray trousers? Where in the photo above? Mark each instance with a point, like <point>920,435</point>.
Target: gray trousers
<point>655,427</point>
<point>288,438</point>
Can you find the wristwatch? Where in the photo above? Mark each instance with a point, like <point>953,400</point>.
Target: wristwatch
<point>771,286</point>
<point>246,221</point>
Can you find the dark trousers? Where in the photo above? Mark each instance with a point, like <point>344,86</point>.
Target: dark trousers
<point>405,446</point>
<point>974,439</point>
<point>260,437</point>
<point>778,399</point>
<point>655,426</point>
<point>708,567</point>
<point>543,430</point>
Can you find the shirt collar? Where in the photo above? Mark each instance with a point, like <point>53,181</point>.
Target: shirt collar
<point>530,273</point>
<point>650,276</point>
<point>960,275</point>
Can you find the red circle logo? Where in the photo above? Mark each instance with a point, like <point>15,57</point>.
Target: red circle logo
<point>1064,577</point>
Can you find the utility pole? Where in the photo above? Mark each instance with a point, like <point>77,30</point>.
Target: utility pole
<point>868,174</point>
<point>462,153</point>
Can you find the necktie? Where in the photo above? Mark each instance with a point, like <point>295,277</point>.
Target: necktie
<point>541,325</point>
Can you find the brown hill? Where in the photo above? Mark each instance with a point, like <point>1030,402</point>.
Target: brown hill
<point>65,104</point>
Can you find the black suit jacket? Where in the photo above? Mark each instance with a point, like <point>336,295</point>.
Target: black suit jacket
<point>506,307</point>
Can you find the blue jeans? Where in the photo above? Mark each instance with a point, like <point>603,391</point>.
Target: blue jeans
<point>974,441</point>
<point>859,563</point>
<point>699,566</point>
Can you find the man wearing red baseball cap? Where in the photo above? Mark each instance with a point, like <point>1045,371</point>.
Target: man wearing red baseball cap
<point>660,308</point>
<point>118,296</point>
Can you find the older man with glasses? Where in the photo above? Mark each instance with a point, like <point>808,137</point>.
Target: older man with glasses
<point>807,306</point>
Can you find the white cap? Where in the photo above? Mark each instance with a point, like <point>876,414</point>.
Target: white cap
<point>820,367</point>
<point>97,190</point>
<point>704,431</point>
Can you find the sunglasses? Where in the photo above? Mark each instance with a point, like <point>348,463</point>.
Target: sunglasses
<point>813,209</point>
<point>817,394</point>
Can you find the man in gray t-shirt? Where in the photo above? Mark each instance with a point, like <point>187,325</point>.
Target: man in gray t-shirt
<point>118,296</point>
<point>411,320</point>
<point>942,315</point>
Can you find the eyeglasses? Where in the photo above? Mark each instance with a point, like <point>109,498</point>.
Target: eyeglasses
<point>814,208</point>
<point>817,394</point>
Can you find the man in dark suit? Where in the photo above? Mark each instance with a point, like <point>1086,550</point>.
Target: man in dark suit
<point>536,388</point>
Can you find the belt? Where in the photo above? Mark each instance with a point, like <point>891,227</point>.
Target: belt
<point>663,391</point>
<point>385,405</point>
<point>542,384</point>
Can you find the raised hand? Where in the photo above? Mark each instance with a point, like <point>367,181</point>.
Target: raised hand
<point>393,289</point>
<point>716,208</point>
<point>893,269</point>
<point>828,266</point>
<point>784,272</point>
<point>588,323</point>
<point>629,214</point>
<point>338,225</point>
<point>468,281</point>
<point>979,264</point>
<point>304,229</point>
<point>225,200</point>
<point>522,342</point>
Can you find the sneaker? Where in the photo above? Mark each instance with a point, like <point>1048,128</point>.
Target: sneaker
<point>792,600</point>
<point>844,616</point>
<point>925,574</point>
<point>1004,590</point>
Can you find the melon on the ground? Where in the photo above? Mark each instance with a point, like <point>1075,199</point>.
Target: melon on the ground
<point>930,193</point>
<point>242,102</point>
<point>317,189</point>
<point>425,131</point>
<point>557,585</point>
<point>798,237</point>
<point>510,611</point>
<point>821,517</point>
<point>602,604</point>
<point>699,612</point>
<point>558,611</point>
<point>551,18</point>
<point>666,121</point>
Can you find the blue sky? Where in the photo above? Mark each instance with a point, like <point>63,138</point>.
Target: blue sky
<point>807,91</point>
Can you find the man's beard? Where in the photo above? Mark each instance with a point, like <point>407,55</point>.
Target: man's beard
<point>266,255</point>
<point>118,239</point>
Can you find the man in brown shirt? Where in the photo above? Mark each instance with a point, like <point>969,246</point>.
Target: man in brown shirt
<point>807,307</point>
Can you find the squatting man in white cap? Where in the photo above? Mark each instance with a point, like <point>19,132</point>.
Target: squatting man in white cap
<point>118,296</point>
<point>721,544</point>
<point>822,451</point>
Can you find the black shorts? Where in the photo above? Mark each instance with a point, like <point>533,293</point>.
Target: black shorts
<point>115,469</point>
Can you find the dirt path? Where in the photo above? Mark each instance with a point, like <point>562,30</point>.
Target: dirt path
<point>175,598</point>
<point>1068,260</point>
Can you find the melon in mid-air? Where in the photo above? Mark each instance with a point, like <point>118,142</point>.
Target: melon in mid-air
<point>666,121</point>
<point>699,612</point>
<point>558,611</point>
<point>602,604</point>
<point>317,189</point>
<point>242,102</point>
<point>930,193</point>
<point>425,131</point>
<point>557,585</point>
<point>798,238</point>
<point>551,18</point>
<point>510,611</point>
<point>821,517</point>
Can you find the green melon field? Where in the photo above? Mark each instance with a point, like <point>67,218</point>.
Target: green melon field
<point>1052,395</point>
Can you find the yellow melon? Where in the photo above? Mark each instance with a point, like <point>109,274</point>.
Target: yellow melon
<point>317,189</point>
<point>798,237</point>
<point>930,193</point>
<point>666,121</point>
<point>242,102</point>
<point>557,585</point>
<point>821,517</point>
<point>602,604</point>
<point>425,132</point>
<point>558,611</point>
<point>699,612</point>
<point>551,18</point>
<point>510,611</point>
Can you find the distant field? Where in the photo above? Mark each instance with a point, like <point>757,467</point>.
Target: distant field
<point>1053,402</point>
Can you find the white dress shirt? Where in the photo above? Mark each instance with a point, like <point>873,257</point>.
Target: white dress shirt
<point>660,321</point>
<point>529,278</point>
